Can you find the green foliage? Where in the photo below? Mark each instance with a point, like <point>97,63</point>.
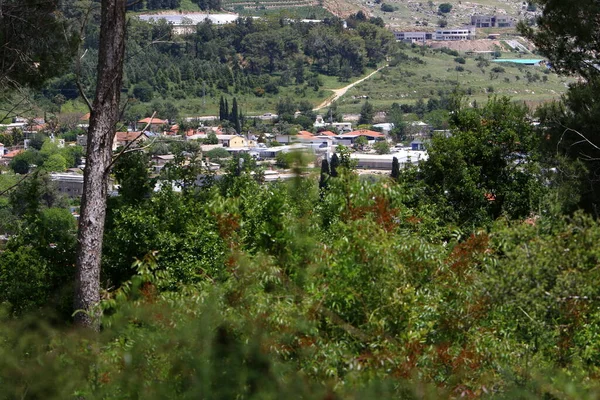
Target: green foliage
<point>387,8</point>
<point>55,163</point>
<point>131,173</point>
<point>37,44</point>
<point>564,36</point>
<point>218,152</point>
<point>360,142</point>
<point>366,113</point>
<point>570,143</point>
<point>445,8</point>
<point>488,166</point>
<point>382,147</point>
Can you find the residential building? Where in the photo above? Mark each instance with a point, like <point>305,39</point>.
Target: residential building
<point>68,184</point>
<point>152,124</point>
<point>8,157</point>
<point>124,138</point>
<point>342,127</point>
<point>413,37</point>
<point>465,33</point>
<point>492,21</point>
<point>233,141</point>
<point>384,161</point>
<point>350,137</point>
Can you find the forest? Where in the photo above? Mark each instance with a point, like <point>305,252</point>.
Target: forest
<point>469,275</point>
<point>256,58</point>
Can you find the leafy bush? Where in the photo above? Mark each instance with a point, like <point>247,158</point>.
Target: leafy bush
<point>387,8</point>
<point>445,8</point>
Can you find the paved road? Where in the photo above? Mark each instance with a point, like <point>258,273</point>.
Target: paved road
<point>337,93</point>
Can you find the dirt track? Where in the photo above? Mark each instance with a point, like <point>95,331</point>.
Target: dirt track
<point>337,93</point>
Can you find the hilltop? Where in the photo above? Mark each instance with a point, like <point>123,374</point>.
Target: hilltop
<point>409,14</point>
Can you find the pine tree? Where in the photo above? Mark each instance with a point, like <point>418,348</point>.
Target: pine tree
<point>334,164</point>
<point>366,114</point>
<point>395,168</point>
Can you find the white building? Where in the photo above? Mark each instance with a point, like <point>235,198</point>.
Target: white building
<point>466,33</point>
<point>186,23</point>
<point>413,37</point>
<point>384,161</point>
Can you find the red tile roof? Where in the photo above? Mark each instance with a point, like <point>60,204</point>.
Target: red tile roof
<point>327,133</point>
<point>153,121</point>
<point>305,134</point>
<point>127,136</point>
<point>365,132</point>
<point>13,153</point>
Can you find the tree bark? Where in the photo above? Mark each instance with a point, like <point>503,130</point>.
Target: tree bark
<point>101,132</point>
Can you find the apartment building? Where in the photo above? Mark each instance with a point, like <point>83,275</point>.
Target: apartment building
<point>492,21</point>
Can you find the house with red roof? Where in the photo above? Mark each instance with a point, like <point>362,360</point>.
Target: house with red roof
<point>152,124</point>
<point>350,137</point>
<point>124,138</point>
<point>8,157</point>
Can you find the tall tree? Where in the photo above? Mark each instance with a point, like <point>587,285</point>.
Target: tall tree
<point>334,164</point>
<point>395,168</point>
<point>324,174</point>
<point>567,33</point>
<point>103,119</point>
<point>222,112</point>
<point>234,117</point>
<point>366,113</point>
<point>35,42</point>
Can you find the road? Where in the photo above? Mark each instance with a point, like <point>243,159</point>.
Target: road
<point>337,93</point>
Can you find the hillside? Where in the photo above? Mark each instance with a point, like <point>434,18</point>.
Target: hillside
<point>423,73</point>
<point>409,14</point>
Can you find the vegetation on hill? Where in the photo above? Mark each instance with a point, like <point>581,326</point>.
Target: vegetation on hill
<point>472,274</point>
<point>393,286</point>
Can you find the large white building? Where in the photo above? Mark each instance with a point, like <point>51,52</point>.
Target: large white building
<point>413,37</point>
<point>465,33</point>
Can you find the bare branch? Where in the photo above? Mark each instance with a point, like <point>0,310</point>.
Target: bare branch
<point>128,145</point>
<point>2,193</point>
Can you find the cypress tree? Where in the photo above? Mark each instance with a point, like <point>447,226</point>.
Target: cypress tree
<point>221,109</point>
<point>226,111</point>
<point>235,118</point>
<point>324,174</point>
<point>240,121</point>
<point>335,163</point>
<point>395,168</point>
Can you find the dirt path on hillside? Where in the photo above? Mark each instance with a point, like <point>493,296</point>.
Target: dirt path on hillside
<point>337,93</point>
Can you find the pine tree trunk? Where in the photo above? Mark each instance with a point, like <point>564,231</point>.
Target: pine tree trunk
<point>101,132</point>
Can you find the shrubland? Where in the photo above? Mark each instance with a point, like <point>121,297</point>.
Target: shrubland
<point>407,287</point>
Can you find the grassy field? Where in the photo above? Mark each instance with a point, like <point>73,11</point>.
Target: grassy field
<point>409,81</point>
<point>252,105</point>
